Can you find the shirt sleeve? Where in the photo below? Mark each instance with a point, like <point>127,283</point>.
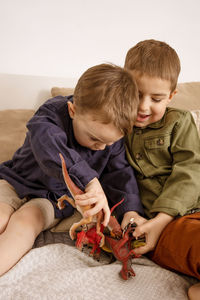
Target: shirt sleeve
<point>118,181</point>
<point>48,138</point>
<point>181,190</point>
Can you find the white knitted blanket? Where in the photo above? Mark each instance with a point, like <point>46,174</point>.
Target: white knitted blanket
<point>60,271</point>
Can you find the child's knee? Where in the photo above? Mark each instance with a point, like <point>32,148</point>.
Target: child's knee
<point>5,212</point>
<point>29,220</point>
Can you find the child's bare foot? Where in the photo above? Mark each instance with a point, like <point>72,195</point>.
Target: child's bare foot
<point>194,292</point>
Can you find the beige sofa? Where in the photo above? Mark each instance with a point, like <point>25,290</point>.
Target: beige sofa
<point>59,270</point>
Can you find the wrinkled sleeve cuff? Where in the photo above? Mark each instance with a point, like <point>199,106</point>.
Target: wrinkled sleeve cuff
<point>170,207</point>
<point>81,174</point>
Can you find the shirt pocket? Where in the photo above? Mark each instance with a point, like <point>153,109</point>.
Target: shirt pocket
<point>157,150</point>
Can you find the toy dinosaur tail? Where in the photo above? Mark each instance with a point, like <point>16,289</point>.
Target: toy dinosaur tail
<point>116,205</point>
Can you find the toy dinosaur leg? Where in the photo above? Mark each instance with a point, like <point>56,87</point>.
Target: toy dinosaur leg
<point>99,228</point>
<point>81,240</point>
<point>95,252</point>
<point>61,203</point>
<point>94,248</point>
<point>127,270</point>
<point>76,225</point>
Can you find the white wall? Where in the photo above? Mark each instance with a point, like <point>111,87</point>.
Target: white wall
<point>64,37</point>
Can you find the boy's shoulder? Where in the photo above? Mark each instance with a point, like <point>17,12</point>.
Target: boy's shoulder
<point>54,105</point>
<point>177,112</point>
<point>178,120</point>
<point>177,115</point>
<point>57,101</point>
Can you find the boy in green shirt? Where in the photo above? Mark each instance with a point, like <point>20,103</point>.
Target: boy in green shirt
<point>164,150</point>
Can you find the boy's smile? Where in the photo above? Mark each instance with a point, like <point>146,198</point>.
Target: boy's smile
<point>142,117</point>
<point>155,95</point>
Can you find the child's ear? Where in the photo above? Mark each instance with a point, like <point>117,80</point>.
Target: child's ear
<point>71,109</point>
<point>172,95</point>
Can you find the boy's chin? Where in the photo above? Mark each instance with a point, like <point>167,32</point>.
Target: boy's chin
<point>141,124</point>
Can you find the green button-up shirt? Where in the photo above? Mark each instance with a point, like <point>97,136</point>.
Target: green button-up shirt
<point>166,159</point>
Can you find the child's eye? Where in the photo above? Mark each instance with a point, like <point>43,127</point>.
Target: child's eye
<point>156,100</point>
<point>94,139</point>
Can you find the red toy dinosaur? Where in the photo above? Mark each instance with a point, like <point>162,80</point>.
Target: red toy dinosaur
<point>116,241</point>
<point>91,237</point>
<point>120,247</point>
<point>122,250</point>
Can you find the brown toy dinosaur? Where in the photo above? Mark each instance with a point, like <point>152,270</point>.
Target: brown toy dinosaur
<point>74,190</point>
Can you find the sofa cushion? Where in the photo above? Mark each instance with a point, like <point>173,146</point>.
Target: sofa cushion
<point>187,97</point>
<point>12,131</point>
<point>57,91</point>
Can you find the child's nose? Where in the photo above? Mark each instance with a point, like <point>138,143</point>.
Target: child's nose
<point>100,146</point>
<point>144,104</point>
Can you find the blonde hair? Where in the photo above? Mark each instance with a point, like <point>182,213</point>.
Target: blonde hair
<point>156,59</point>
<point>110,93</point>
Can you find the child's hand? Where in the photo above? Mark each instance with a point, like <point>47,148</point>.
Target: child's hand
<point>132,214</point>
<point>151,229</point>
<point>94,194</point>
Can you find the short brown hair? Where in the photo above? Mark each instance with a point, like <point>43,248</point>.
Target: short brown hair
<point>156,59</point>
<point>109,92</point>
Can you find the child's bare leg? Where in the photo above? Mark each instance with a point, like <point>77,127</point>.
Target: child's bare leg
<point>5,212</point>
<point>18,238</point>
<point>194,292</point>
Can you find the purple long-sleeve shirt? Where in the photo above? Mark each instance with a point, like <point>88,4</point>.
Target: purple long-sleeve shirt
<point>35,169</point>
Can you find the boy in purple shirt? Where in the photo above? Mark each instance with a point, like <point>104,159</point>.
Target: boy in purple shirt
<point>88,129</point>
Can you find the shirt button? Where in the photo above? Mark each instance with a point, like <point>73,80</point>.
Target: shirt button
<point>138,156</point>
<point>140,176</point>
<point>160,141</point>
<point>138,132</point>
